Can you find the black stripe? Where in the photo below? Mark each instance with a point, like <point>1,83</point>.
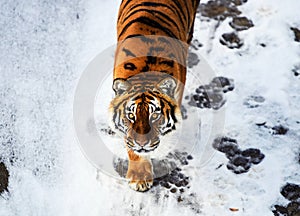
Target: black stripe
<point>146,68</point>
<point>168,117</point>
<point>128,52</point>
<point>152,93</point>
<point>167,62</point>
<point>153,12</point>
<point>166,132</point>
<point>155,50</point>
<point>116,121</point>
<point>155,4</point>
<point>172,107</point>
<point>131,108</point>
<point>187,11</point>
<point>129,66</point>
<point>164,40</point>
<point>177,3</point>
<point>133,36</point>
<point>114,118</point>
<point>122,119</point>
<point>171,56</point>
<point>129,144</point>
<point>146,39</point>
<point>151,60</point>
<point>123,7</point>
<point>127,2</point>
<point>143,96</point>
<point>153,105</point>
<point>162,105</point>
<point>150,97</point>
<point>149,22</point>
<point>173,114</point>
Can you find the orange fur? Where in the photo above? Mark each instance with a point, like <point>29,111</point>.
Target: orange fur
<point>163,29</point>
<point>152,36</point>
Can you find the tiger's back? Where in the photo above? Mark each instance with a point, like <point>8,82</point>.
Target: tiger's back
<point>171,18</point>
<point>154,36</point>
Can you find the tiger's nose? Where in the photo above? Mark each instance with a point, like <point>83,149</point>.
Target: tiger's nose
<point>142,142</point>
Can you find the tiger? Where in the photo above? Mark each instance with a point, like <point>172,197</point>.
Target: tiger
<point>148,78</point>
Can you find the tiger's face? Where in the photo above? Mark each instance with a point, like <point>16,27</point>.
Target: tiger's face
<point>144,113</point>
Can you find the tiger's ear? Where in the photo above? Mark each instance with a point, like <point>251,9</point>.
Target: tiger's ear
<point>121,86</point>
<point>167,86</point>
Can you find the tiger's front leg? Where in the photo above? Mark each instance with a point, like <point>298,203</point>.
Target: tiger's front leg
<point>140,172</point>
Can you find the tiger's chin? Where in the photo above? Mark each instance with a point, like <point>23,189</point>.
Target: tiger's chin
<point>144,152</point>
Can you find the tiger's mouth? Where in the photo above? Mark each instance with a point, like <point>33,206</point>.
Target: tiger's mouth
<point>131,144</point>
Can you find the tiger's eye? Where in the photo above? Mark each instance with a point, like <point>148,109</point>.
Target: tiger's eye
<point>155,116</point>
<point>131,116</point>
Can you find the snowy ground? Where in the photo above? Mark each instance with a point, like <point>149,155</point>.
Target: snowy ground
<point>44,49</point>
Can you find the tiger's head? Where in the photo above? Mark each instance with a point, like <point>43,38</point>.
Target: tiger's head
<point>144,112</point>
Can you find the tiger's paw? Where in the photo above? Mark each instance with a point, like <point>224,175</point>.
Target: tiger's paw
<point>141,186</point>
<point>140,176</point>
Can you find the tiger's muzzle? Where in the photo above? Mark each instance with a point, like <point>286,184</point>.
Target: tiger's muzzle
<point>142,143</point>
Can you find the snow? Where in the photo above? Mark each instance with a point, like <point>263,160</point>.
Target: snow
<point>45,46</point>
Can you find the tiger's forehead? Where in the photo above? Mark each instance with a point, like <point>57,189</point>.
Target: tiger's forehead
<point>142,99</point>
